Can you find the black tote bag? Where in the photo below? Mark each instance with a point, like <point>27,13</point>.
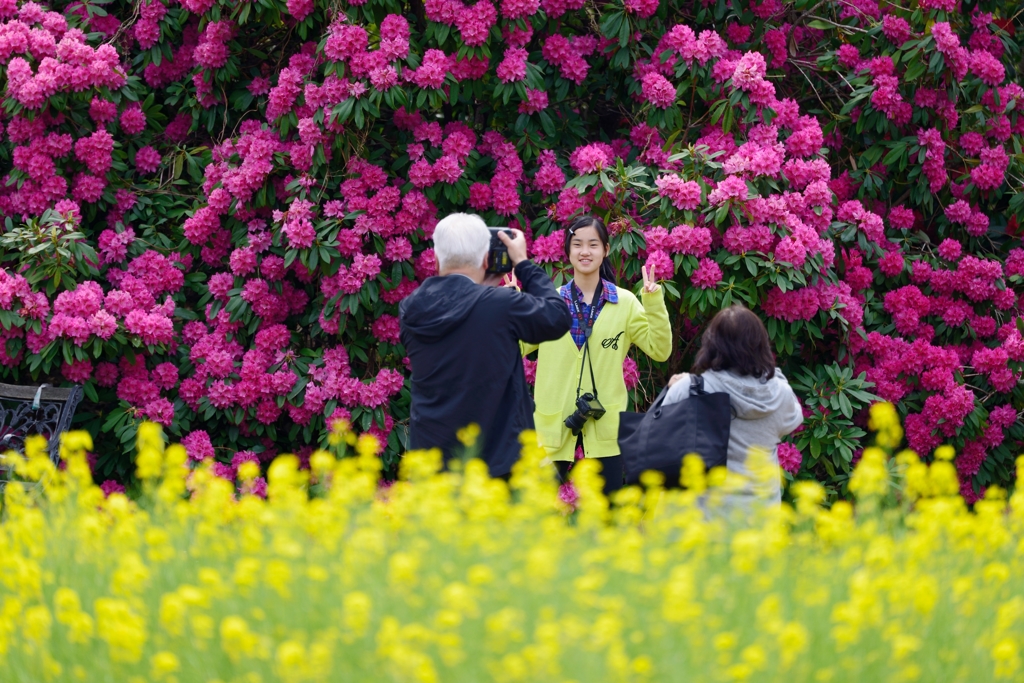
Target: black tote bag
<point>658,439</point>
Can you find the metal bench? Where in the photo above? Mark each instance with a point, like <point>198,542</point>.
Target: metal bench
<point>27,410</point>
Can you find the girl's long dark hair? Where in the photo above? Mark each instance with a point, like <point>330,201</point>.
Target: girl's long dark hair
<point>736,340</point>
<point>607,273</point>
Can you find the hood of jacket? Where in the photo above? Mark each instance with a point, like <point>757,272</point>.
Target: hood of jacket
<point>752,398</point>
<point>438,306</point>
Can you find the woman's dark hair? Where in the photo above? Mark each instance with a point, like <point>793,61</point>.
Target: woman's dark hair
<point>736,340</point>
<point>602,234</point>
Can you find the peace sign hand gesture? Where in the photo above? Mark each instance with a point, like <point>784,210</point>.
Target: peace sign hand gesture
<point>650,284</point>
<point>510,280</point>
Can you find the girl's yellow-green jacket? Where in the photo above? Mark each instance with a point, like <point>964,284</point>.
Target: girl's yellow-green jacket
<point>622,322</point>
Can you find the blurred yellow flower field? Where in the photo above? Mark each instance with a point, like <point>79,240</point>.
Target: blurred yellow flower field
<point>456,577</point>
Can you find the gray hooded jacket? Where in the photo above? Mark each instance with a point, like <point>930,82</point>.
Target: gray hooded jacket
<point>765,412</point>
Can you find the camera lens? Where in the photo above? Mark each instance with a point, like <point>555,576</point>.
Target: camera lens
<point>575,422</point>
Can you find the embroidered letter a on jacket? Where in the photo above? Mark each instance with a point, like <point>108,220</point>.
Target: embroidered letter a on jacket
<point>612,342</point>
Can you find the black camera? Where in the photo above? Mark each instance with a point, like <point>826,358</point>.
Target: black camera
<point>497,256</point>
<point>587,406</point>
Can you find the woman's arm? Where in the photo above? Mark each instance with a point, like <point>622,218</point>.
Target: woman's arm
<point>649,327</point>
<point>791,414</point>
<point>678,389</point>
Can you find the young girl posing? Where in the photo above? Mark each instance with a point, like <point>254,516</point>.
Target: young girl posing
<point>588,361</point>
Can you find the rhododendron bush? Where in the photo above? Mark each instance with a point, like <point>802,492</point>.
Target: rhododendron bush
<point>213,208</point>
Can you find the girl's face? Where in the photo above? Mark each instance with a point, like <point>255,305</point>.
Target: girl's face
<point>586,253</point>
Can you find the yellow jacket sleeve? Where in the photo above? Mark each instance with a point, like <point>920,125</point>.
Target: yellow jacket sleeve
<point>527,349</point>
<point>649,327</point>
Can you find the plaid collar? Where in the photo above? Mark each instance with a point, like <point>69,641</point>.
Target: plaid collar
<point>609,293</point>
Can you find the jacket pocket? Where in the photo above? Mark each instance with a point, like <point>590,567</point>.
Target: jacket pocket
<point>607,428</point>
<point>550,430</point>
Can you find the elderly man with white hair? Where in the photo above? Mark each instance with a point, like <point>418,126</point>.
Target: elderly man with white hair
<point>462,338</point>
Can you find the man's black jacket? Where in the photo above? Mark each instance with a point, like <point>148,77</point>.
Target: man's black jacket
<point>462,340</point>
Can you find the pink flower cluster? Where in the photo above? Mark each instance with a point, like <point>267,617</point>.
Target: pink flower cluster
<point>658,90</point>
<point>733,187</point>
<point>690,48</point>
<point>557,8</point>
<point>297,223</point>
<point>569,55</point>
<point>549,177</point>
<point>948,44</point>
<point>349,44</point>
<point>961,213</point>
<point>536,100</point>
<point>749,76</point>
<point>896,29</point>
<point>212,51</point>
<point>991,172</point>
<point>684,194</point>
<point>591,158</point>
<point>886,98</point>
<point>350,279</point>
<point>682,239</point>
<point>513,66</point>
<point>790,457</point>
<point>147,28</point>
<point>549,248</point>
<point>935,158</point>
<point>707,274</point>
<point>64,61</point>
<point>641,8</point>
<point>806,302</point>
<point>431,73</point>
<point>761,155</point>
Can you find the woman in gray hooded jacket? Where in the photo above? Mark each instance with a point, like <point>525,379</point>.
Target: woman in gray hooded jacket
<point>736,357</point>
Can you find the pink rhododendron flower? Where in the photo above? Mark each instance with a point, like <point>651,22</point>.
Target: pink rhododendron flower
<point>658,90</point>
<point>198,445</point>
<point>590,158</point>
<point>513,67</point>
<point>707,275</point>
<point>685,194</point>
<point>790,457</point>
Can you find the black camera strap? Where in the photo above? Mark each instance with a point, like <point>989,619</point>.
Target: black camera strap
<point>587,322</point>
<point>587,359</point>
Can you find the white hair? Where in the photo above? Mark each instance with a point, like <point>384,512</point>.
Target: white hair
<point>461,240</point>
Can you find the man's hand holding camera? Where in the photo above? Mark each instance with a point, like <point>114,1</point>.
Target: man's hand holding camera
<point>516,246</point>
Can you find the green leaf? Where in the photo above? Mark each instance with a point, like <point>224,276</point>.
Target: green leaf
<point>915,71</point>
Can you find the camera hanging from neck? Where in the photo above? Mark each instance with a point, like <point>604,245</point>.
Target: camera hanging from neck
<point>588,326</point>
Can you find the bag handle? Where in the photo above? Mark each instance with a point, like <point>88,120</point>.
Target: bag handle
<point>656,406</point>
<point>696,389</point>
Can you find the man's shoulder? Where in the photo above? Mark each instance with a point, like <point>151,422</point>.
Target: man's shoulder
<point>497,295</point>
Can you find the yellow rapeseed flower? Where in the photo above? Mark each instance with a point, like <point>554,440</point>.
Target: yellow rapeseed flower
<point>885,422</point>
<point>450,575</point>
<point>37,623</point>
<point>122,628</point>
<point>236,639</point>
<point>367,445</point>
<point>871,477</point>
<point>468,435</point>
<point>164,664</point>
